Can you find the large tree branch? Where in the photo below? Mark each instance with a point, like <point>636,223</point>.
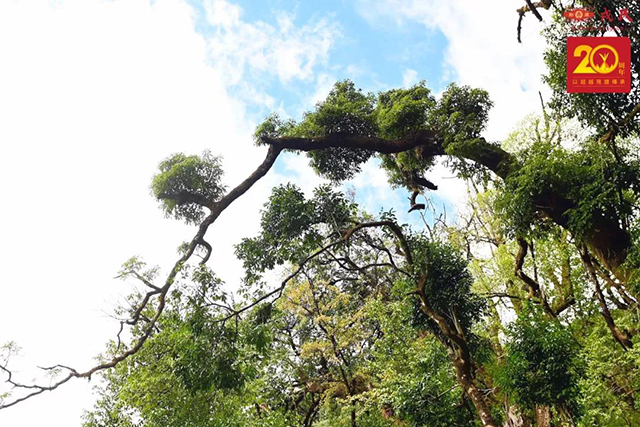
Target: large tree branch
<point>608,241</point>
<point>622,336</point>
<point>480,151</point>
<point>425,138</point>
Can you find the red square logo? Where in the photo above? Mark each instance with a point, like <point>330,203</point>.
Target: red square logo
<point>598,65</point>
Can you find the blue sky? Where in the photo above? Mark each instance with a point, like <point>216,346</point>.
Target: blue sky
<point>375,56</point>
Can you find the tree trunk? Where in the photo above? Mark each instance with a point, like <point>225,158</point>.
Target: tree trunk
<point>458,349</point>
<point>463,374</point>
<point>543,416</point>
<point>606,240</point>
<point>514,417</point>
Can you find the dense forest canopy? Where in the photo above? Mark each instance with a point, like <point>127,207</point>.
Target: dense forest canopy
<point>524,312</point>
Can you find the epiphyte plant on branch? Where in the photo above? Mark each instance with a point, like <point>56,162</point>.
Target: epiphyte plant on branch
<point>187,184</point>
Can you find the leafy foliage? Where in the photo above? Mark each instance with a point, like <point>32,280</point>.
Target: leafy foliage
<point>541,367</point>
<point>458,118</point>
<point>187,184</point>
<point>590,179</point>
<point>364,334</point>
<point>292,227</point>
<point>448,284</point>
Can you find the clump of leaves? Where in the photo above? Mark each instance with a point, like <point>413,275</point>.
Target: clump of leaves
<point>186,185</point>
<point>461,114</point>
<point>448,284</point>
<point>457,118</point>
<point>293,227</point>
<point>541,366</point>
<point>273,127</point>
<point>400,111</point>
<point>610,386</point>
<point>346,110</point>
<point>429,395</point>
<point>590,180</point>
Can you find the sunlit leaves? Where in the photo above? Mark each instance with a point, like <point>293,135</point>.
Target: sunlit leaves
<point>447,285</point>
<point>186,185</point>
<point>457,118</point>
<point>588,179</point>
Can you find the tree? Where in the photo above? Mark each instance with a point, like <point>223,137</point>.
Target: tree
<point>561,220</point>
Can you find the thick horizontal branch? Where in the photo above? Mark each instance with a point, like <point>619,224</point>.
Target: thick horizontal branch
<point>425,138</point>
<point>478,150</point>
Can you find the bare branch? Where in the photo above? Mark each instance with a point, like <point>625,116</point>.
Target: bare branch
<point>208,248</point>
<point>533,8</point>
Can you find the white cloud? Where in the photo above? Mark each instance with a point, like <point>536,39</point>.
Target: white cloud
<point>324,84</point>
<point>93,94</point>
<point>409,77</point>
<point>353,71</point>
<point>373,190</point>
<point>285,51</point>
<point>299,172</point>
<point>450,188</point>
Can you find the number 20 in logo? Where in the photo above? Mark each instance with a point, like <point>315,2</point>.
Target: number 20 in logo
<point>598,64</point>
<point>589,64</point>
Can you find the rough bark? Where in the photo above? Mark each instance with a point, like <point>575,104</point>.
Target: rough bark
<point>606,240</point>
<point>424,138</point>
<point>543,416</point>
<point>480,151</point>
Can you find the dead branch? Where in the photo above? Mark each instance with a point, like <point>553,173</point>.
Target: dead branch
<point>533,8</point>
